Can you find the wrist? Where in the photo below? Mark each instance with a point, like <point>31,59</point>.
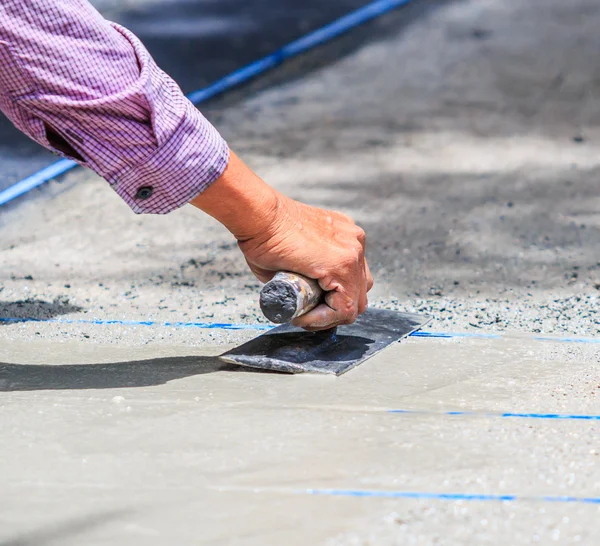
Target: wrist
<point>241,201</point>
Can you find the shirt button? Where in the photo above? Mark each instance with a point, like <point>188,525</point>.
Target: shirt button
<point>144,192</point>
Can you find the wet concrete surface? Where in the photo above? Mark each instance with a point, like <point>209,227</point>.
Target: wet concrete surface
<point>117,445</point>
<point>450,137</point>
<point>196,42</point>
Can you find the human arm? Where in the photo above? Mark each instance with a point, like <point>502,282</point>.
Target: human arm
<point>89,90</point>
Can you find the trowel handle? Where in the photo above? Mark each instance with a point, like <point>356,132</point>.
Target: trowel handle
<point>289,295</point>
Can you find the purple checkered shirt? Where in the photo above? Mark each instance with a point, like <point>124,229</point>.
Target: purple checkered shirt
<point>88,89</point>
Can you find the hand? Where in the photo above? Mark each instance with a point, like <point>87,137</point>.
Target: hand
<point>276,233</point>
<point>323,245</point>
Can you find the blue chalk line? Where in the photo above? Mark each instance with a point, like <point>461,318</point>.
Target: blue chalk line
<point>508,415</point>
<point>45,175</point>
<point>420,495</point>
<point>293,49</point>
<point>202,325</point>
<point>568,339</point>
<point>233,326</point>
<point>456,334</point>
<point>449,335</point>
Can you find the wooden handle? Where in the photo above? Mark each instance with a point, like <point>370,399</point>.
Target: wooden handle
<point>289,295</point>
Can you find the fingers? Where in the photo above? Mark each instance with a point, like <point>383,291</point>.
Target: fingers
<point>363,301</point>
<point>369,277</point>
<point>346,298</point>
<point>338,309</point>
<point>342,305</point>
<point>321,317</point>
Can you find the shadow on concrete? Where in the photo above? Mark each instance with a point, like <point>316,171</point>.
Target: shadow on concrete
<point>56,534</point>
<point>35,309</point>
<point>118,375</point>
<point>437,228</point>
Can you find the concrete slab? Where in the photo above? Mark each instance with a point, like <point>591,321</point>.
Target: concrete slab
<point>115,445</point>
<point>464,138</point>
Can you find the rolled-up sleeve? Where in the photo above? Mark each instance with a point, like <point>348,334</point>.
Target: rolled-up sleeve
<point>89,90</point>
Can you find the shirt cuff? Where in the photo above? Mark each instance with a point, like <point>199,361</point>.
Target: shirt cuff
<point>182,168</point>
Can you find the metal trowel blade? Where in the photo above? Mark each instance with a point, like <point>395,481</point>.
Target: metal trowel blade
<point>292,350</point>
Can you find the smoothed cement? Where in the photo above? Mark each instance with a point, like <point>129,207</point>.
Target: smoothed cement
<point>464,137</point>
<point>168,445</point>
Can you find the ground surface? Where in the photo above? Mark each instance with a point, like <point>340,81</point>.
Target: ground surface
<point>464,137</point>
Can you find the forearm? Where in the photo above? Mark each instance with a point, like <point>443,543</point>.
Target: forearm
<point>240,200</point>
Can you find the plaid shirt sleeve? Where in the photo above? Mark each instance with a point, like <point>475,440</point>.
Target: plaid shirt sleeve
<point>89,90</point>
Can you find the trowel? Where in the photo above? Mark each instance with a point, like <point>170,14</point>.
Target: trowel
<point>335,351</point>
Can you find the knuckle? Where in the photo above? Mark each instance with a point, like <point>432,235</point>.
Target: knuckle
<point>351,260</point>
<point>350,319</point>
<point>357,247</point>
<point>326,282</point>
<point>346,308</point>
<point>361,235</point>
<point>349,312</point>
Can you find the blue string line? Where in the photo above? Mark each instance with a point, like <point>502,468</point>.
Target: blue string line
<point>293,49</point>
<point>447,496</point>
